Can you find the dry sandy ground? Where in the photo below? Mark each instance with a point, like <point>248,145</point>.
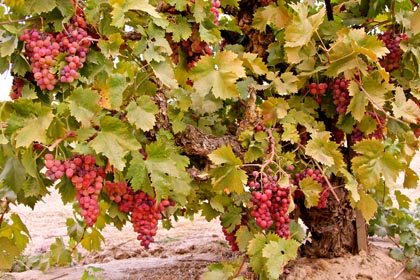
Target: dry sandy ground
<point>184,252</point>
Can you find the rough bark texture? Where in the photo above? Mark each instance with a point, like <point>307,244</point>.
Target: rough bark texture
<point>333,231</point>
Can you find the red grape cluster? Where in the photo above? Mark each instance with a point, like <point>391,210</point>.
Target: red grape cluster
<point>317,176</point>
<point>270,203</point>
<point>392,42</point>
<point>317,90</point>
<point>193,48</point>
<point>17,86</point>
<point>215,5</point>
<point>45,50</point>
<point>357,135</point>
<point>144,211</point>
<point>86,177</point>
<point>341,97</point>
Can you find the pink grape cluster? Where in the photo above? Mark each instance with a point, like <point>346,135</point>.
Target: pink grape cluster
<point>270,203</point>
<point>43,50</point>
<point>215,5</point>
<point>317,176</point>
<point>85,176</point>
<point>392,42</point>
<point>341,96</point>
<point>17,87</point>
<point>144,211</point>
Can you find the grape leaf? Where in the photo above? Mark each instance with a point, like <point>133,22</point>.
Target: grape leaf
<point>120,7</point>
<point>74,229</point>
<point>278,253</point>
<point>402,199</point>
<point>92,239</point>
<point>83,104</point>
<point>255,63</point>
<point>255,252</point>
<point>358,101</point>
<point>325,151</point>
<point>7,44</point>
<point>243,237</point>
<point>112,91</point>
<point>181,29</point>
<point>142,112</point>
<point>218,74</point>
<point>180,5</point>
<point>137,174</point>
<point>8,252</point>
<point>411,179</point>
<point>351,184</point>
<point>405,109</point>
<point>286,84</point>
<point>13,174</point>
<point>27,135</point>
<point>165,73</point>
<point>299,32</point>
<point>311,189</point>
<point>271,14</point>
<point>367,205</point>
<point>373,163</point>
<point>114,141</point>
<point>415,22</point>
<point>274,109</point>
<point>38,6</point>
<point>224,155</point>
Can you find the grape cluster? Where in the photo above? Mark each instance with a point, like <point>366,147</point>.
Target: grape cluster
<point>86,177</point>
<point>358,135</point>
<point>144,211</point>
<point>270,203</point>
<point>215,5</point>
<point>193,48</point>
<point>317,90</point>
<point>341,96</point>
<point>392,42</point>
<point>17,87</point>
<point>265,2</point>
<point>45,52</point>
<point>317,176</point>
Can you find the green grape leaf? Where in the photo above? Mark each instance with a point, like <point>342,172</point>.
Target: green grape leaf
<point>351,184</point>
<point>165,73</point>
<point>180,5</point>
<point>311,189</point>
<point>208,212</point>
<point>254,152</point>
<point>373,163</point>
<point>59,254</point>
<point>141,113</point>
<point>243,237</point>
<point>74,229</point>
<point>255,63</point>
<point>299,32</point>
<point>271,14</point>
<point>411,179</point>
<point>112,91</point>
<point>255,252</point>
<point>274,109</point>
<point>181,29</point>
<point>325,151</point>
<point>120,7</point>
<point>220,202</point>
<point>83,104</point>
<point>278,253</point>
<point>224,155</point>
<point>290,133</point>
<point>405,109</point>
<point>403,200</point>
<point>67,191</point>
<point>8,252</point>
<point>232,218</point>
<point>286,84</point>
<point>358,101</point>
<point>367,205</point>
<point>27,135</point>
<point>38,6</point>
<point>7,45</point>
<point>114,141</point>
<point>13,174</point>
<point>218,74</point>
<point>92,240</point>
<point>296,231</point>
<point>137,174</point>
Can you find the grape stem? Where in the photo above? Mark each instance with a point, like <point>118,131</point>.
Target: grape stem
<point>241,266</point>
<point>330,187</point>
<point>79,241</point>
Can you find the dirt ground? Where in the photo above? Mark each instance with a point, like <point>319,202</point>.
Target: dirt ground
<point>184,252</point>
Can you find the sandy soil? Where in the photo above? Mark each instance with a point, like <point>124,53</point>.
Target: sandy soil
<point>184,252</point>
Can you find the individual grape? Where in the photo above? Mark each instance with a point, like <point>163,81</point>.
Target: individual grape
<point>341,96</point>
<point>392,42</point>
<point>215,5</point>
